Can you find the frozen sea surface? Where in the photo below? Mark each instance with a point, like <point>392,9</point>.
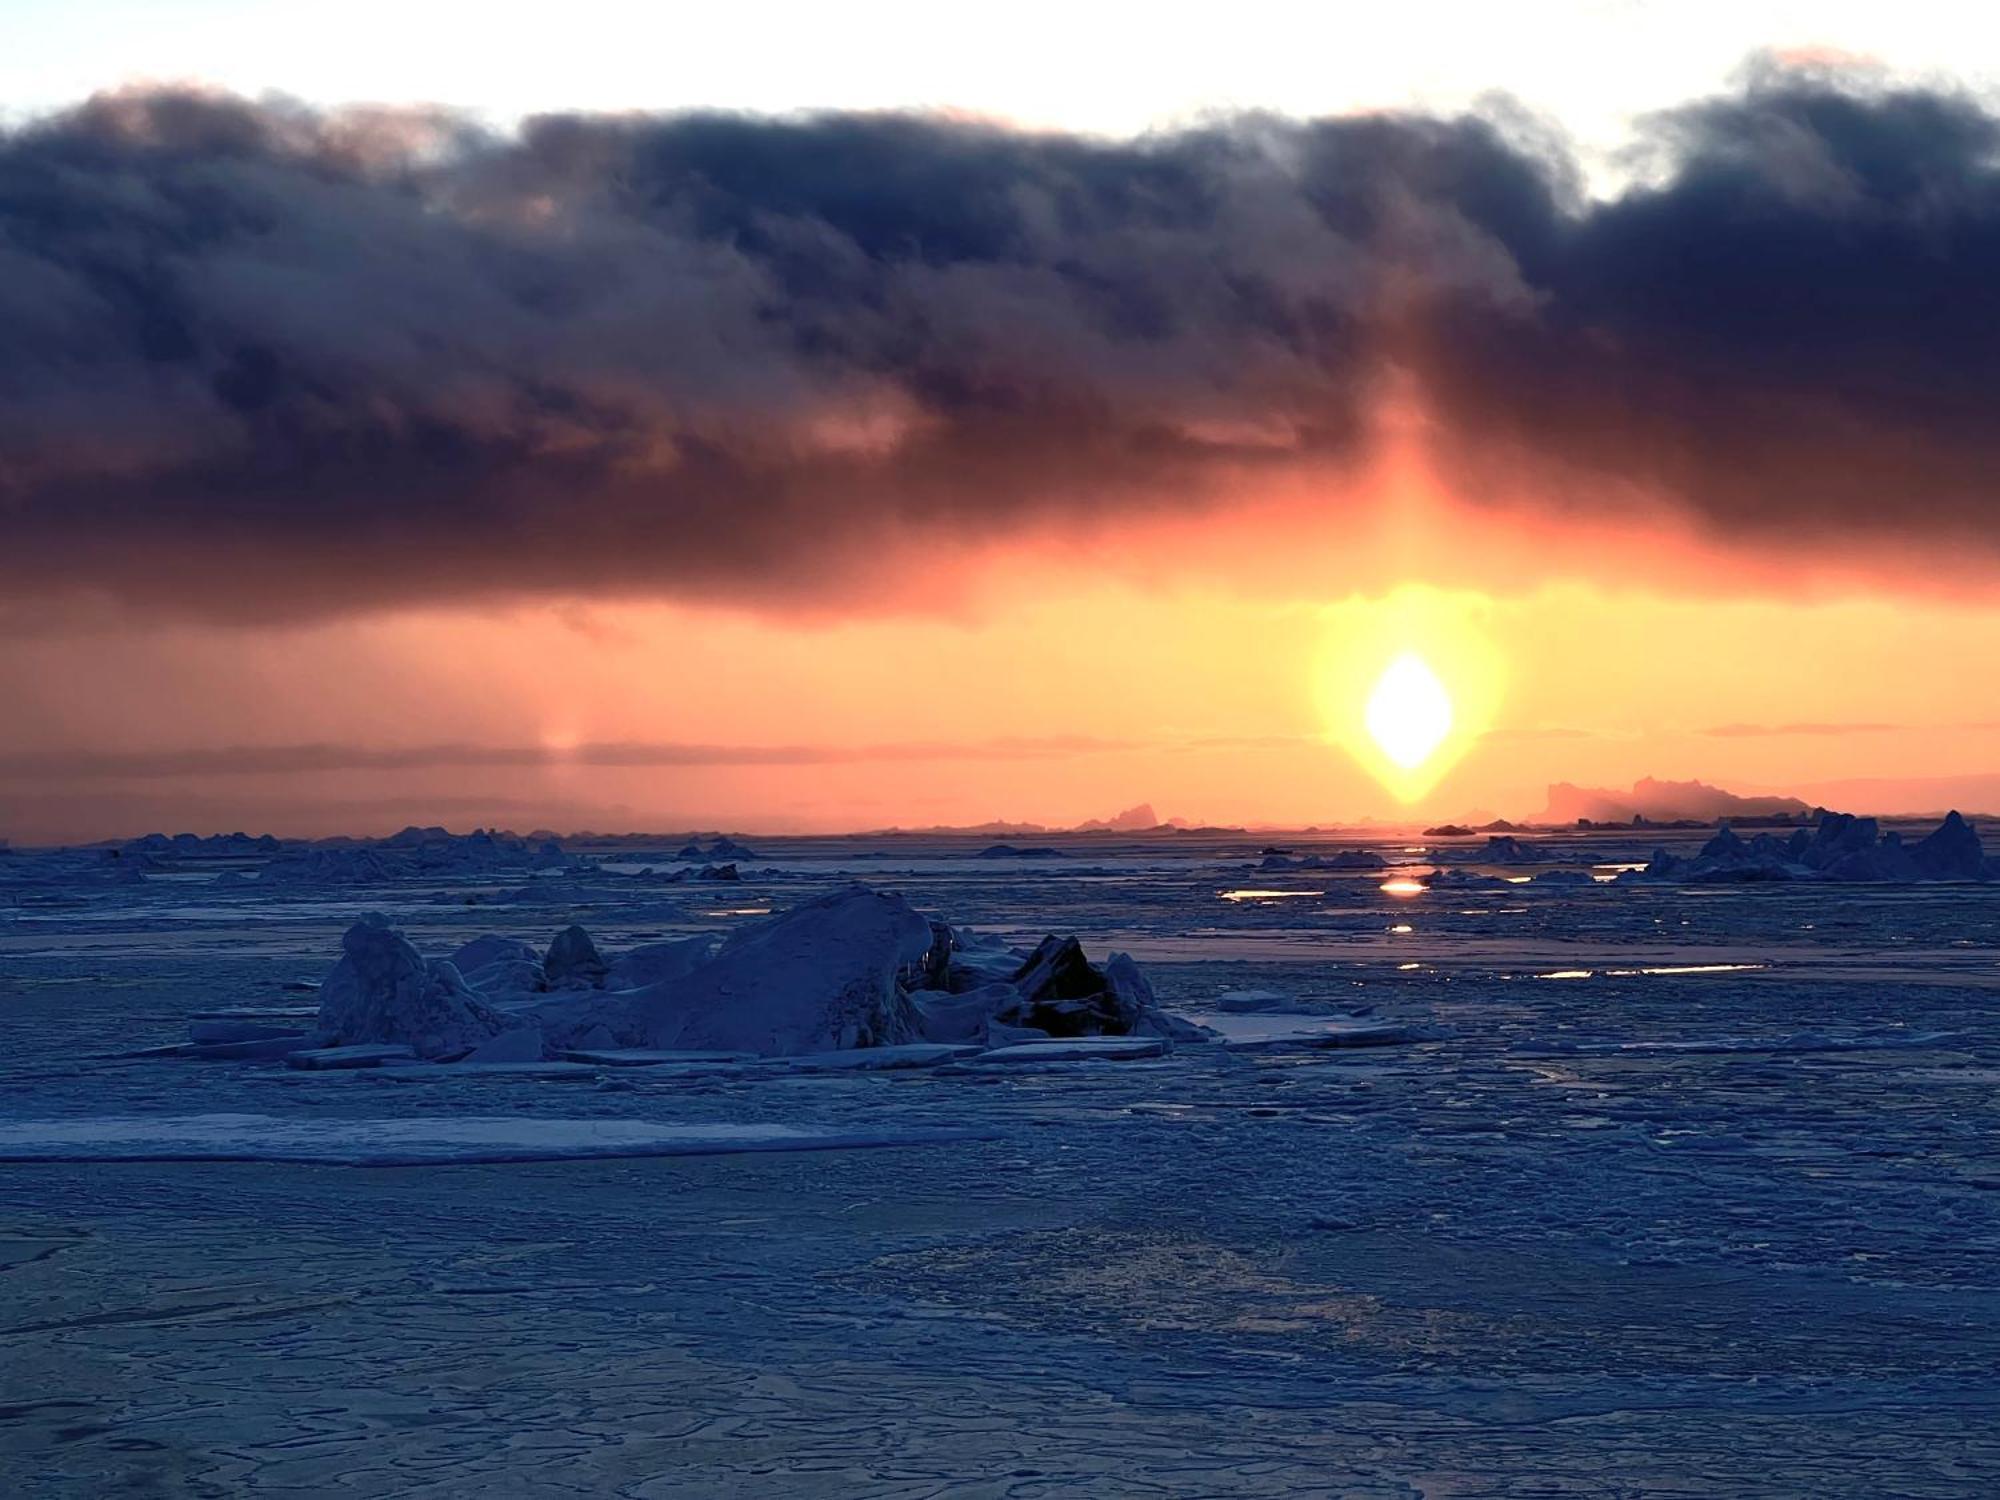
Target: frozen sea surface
<point>1668,1192</point>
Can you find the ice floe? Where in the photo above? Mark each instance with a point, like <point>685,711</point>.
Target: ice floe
<point>855,969</point>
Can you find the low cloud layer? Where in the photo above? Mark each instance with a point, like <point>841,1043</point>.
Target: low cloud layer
<point>260,362</point>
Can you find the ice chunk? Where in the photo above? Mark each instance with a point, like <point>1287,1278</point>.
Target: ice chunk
<point>1840,847</point>
<point>1130,991</point>
<point>573,961</point>
<point>974,968</point>
<point>945,1017</point>
<point>382,991</point>
<point>653,963</point>
<point>1951,851</point>
<point>1064,994</point>
<point>821,977</point>
<point>493,949</point>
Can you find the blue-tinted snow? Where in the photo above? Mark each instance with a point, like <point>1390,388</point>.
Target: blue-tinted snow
<point>1719,1215</point>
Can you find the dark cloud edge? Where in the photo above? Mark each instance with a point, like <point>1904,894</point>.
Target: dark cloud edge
<point>259,361</point>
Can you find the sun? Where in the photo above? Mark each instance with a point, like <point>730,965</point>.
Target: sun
<point>1408,683</point>
<point>1409,712</point>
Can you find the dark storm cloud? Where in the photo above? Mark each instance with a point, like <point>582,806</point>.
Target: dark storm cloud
<point>261,361</point>
<point>1791,327</point>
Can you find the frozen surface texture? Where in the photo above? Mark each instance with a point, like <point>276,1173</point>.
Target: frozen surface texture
<point>406,1143</point>
<point>1487,1186</point>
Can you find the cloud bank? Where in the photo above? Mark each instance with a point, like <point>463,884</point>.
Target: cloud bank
<point>258,361</point>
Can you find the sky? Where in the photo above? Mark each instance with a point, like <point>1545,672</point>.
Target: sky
<point>628,416</point>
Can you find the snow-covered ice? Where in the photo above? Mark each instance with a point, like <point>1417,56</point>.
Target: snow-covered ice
<point>1474,1185</point>
<point>412,1142</point>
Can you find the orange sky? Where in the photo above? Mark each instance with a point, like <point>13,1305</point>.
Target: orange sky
<point>1214,668</point>
<point>833,472</point>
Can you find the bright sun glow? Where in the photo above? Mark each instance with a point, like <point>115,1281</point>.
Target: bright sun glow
<point>1408,684</point>
<point>1409,713</point>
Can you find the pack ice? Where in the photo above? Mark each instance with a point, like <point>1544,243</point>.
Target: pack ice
<point>857,968</point>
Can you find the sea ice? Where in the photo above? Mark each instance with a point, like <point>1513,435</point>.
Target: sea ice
<point>423,1141</point>
<point>819,978</point>
<point>355,1055</point>
<point>1078,1049</point>
<point>653,963</point>
<point>1839,847</point>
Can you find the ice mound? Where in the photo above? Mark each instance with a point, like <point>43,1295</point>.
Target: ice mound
<point>495,965</point>
<point>821,977</point>
<point>1840,847</point>
<point>653,963</point>
<point>1951,852</point>
<point>1064,994</point>
<point>976,960</point>
<point>573,961</point>
<point>1052,991</point>
<point>857,968</point>
<point>383,991</point>
<point>968,1017</point>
